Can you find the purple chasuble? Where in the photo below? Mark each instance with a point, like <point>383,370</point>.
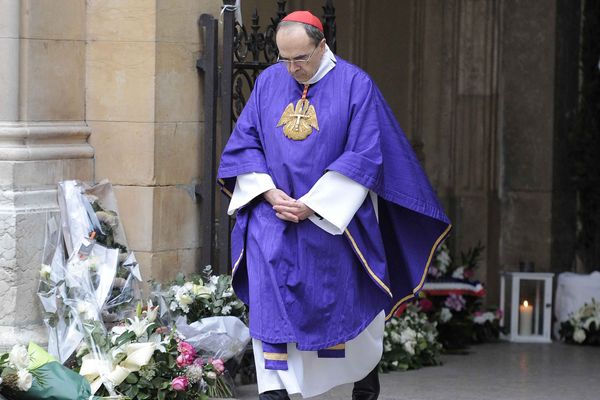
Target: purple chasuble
<point>302,284</point>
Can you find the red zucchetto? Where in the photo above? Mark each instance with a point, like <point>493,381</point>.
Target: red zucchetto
<point>305,17</point>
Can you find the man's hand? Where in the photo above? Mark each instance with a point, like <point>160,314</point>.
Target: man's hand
<point>287,208</point>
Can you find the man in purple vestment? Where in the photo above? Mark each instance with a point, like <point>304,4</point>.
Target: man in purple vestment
<point>336,222</point>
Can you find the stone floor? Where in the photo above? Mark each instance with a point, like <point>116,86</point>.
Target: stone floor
<point>499,371</point>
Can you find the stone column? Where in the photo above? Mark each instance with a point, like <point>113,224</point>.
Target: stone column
<point>43,140</point>
<point>528,131</point>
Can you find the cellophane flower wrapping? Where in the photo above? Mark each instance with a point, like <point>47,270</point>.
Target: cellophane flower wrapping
<point>207,313</point>
<point>87,273</point>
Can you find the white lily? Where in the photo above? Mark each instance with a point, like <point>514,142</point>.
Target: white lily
<point>138,326</point>
<point>152,312</point>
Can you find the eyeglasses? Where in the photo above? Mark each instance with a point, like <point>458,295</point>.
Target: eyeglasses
<point>296,60</point>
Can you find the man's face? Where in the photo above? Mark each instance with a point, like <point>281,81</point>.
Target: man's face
<point>294,44</point>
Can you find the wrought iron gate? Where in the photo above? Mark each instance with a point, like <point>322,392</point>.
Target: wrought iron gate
<point>245,54</point>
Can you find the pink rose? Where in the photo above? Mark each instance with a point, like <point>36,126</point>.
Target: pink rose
<point>186,348</point>
<point>180,383</point>
<point>183,360</point>
<point>218,364</point>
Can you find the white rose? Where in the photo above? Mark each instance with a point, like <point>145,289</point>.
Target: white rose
<point>445,315</point>
<point>410,347</point>
<point>211,375</point>
<point>579,335</point>
<point>226,310</point>
<point>25,380</point>
<point>201,291</point>
<point>45,272</point>
<point>185,300</point>
<point>85,309</point>
<point>18,357</point>
<point>408,335</point>
<point>395,337</point>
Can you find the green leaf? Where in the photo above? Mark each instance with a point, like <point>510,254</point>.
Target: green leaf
<point>132,378</point>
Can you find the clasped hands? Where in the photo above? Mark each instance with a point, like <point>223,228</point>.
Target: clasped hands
<point>287,208</point>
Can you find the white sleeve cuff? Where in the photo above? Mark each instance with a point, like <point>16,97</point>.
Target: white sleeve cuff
<point>247,187</point>
<point>336,199</point>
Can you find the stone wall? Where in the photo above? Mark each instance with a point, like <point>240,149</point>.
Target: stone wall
<point>43,139</point>
<point>144,106</point>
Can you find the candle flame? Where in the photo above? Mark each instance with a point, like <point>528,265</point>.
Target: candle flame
<point>526,304</point>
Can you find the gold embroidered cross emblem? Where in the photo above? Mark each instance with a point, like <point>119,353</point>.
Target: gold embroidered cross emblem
<point>300,121</point>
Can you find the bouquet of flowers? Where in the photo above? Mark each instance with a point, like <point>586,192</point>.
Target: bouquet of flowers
<point>454,300</point>
<point>140,360</point>
<point>409,341</point>
<point>201,296</point>
<point>208,314</point>
<point>15,375</point>
<point>96,278</point>
<point>583,326</point>
<point>33,374</point>
<point>92,212</point>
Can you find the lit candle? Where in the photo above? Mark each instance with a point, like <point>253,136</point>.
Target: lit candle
<point>525,319</point>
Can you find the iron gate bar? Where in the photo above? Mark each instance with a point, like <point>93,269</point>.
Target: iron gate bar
<point>329,25</point>
<point>224,258</point>
<point>206,190</point>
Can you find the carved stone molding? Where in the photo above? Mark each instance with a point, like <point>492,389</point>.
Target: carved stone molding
<point>44,141</point>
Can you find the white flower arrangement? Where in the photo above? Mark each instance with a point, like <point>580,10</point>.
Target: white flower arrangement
<point>583,326</point>
<point>202,296</point>
<point>410,341</point>
<point>13,368</point>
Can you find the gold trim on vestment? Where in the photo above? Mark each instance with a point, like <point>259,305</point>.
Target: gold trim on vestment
<point>237,263</point>
<point>340,346</point>
<point>224,189</point>
<point>276,356</point>
<point>420,285</point>
<point>366,264</point>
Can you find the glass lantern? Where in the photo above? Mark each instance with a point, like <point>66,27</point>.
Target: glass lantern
<point>526,301</point>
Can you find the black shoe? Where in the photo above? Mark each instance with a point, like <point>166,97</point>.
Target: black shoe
<point>367,388</point>
<point>280,394</point>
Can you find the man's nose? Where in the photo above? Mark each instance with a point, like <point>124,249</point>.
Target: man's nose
<point>294,67</point>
